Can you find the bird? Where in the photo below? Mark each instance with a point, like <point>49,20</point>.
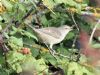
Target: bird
<point>52,35</point>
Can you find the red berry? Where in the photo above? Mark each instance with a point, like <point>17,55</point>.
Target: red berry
<point>25,50</point>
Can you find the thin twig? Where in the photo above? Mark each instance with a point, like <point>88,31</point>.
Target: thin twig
<point>27,14</point>
<point>32,8</point>
<point>74,40</point>
<point>90,40</point>
<point>68,57</point>
<point>87,13</point>
<point>72,15</point>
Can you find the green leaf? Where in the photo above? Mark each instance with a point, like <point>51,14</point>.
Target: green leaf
<point>14,28</point>
<point>15,43</point>
<point>6,35</point>
<point>14,56</point>
<point>0,27</point>
<point>14,60</point>
<point>49,3</point>
<point>41,65</point>
<point>17,67</point>
<point>1,18</point>
<point>14,31</point>
<point>44,21</point>
<point>22,32</point>
<point>28,34</point>
<point>33,65</point>
<point>35,52</point>
<point>97,45</point>
<point>1,58</point>
<point>3,71</point>
<point>22,7</point>
<point>70,35</point>
<point>49,58</point>
<point>99,38</point>
<point>78,69</point>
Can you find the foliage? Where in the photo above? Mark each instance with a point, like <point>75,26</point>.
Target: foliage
<point>25,54</point>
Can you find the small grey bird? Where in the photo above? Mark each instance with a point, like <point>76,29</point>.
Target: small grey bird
<point>52,35</point>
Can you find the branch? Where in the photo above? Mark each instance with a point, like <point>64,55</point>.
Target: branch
<point>74,21</point>
<point>90,40</point>
<point>28,13</point>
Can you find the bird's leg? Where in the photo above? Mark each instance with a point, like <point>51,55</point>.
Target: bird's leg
<point>52,52</point>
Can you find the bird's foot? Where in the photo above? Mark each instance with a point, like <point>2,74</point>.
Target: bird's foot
<point>53,53</point>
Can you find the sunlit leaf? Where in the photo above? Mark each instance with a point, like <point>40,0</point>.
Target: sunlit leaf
<point>15,43</point>
<point>75,68</point>
<point>48,3</point>
<point>7,4</point>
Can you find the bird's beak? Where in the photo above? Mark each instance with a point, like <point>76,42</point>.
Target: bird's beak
<point>72,26</point>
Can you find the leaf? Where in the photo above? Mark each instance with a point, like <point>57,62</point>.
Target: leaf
<point>14,28</point>
<point>48,3</point>
<point>49,58</point>
<point>6,17</point>
<point>7,4</point>
<point>70,35</point>
<point>28,34</point>
<point>0,27</point>
<point>6,35</point>
<point>22,7</point>
<point>75,68</point>
<point>86,1</point>
<point>15,43</point>
<point>44,21</point>
<point>33,65</point>
<point>35,52</point>
<point>1,58</point>
<point>14,56</point>
<point>14,31</point>
<point>3,71</point>
<point>67,2</point>
<point>41,66</point>
<point>63,50</point>
<point>97,45</point>
<point>28,63</point>
<point>17,67</point>
<point>99,38</point>
<point>22,32</point>
<point>1,18</point>
<point>14,60</point>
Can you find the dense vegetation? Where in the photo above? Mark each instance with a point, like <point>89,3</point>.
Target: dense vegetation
<point>21,53</point>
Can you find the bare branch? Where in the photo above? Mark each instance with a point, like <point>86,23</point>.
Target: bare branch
<point>90,40</point>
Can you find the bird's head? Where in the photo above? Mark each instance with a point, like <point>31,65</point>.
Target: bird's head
<point>66,27</point>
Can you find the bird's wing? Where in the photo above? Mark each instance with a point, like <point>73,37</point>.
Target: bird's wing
<point>54,32</point>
